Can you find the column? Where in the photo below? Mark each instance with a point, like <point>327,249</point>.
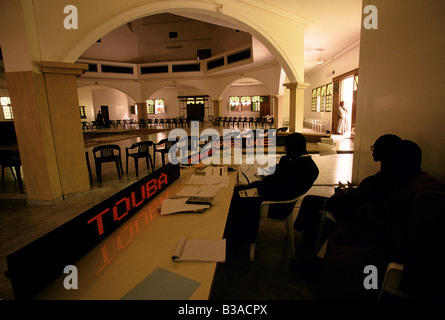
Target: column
<point>66,131</point>
<point>278,111</point>
<point>216,108</point>
<point>49,133</point>
<point>296,105</point>
<point>142,110</point>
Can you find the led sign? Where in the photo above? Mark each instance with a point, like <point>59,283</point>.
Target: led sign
<point>34,266</point>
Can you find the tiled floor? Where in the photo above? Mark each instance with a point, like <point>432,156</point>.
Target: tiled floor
<point>21,223</point>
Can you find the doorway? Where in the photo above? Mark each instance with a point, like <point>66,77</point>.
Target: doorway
<point>345,89</point>
<point>105,115</point>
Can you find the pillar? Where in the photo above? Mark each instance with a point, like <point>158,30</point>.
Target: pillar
<point>49,134</point>
<point>296,105</point>
<point>142,110</point>
<point>216,108</point>
<point>278,111</point>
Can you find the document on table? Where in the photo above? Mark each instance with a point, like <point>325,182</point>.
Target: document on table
<point>209,180</point>
<point>216,171</point>
<point>179,205</point>
<point>200,250</point>
<point>191,191</point>
<point>248,193</point>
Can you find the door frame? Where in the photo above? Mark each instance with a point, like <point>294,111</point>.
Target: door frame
<point>336,98</point>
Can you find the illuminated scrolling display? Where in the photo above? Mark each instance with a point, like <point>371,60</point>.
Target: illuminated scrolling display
<point>34,266</point>
<point>129,203</point>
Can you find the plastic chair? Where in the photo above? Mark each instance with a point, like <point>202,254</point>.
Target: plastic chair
<point>11,159</point>
<point>321,238</point>
<point>264,211</point>
<point>162,147</point>
<point>107,154</point>
<point>143,151</point>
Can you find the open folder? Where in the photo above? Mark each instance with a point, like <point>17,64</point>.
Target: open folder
<point>200,250</point>
<point>179,205</point>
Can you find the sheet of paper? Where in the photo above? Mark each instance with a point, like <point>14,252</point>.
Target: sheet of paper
<point>216,171</point>
<point>207,191</point>
<point>200,250</point>
<point>208,180</point>
<point>170,206</point>
<point>162,284</point>
<point>253,192</point>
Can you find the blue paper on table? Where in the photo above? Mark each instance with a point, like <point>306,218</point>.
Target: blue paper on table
<point>162,284</point>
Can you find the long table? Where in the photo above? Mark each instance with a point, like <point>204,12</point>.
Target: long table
<point>139,253</point>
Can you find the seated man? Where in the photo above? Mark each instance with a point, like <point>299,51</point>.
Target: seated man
<point>294,175</point>
<point>370,197</point>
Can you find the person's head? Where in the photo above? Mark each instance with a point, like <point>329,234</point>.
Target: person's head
<point>385,146</point>
<point>295,144</point>
<point>410,158</point>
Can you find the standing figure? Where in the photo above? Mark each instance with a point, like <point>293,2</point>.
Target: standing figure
<point>100,120</point>
<point>342,118</point>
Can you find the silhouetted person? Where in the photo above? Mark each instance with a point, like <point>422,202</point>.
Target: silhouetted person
<point>365,202</point>
<point>100,120</point>
<point>294,175</point>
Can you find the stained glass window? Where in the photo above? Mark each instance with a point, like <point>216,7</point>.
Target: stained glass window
<point>7,109</point>
<point>150,106</point>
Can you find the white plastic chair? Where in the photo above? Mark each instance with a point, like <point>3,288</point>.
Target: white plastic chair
<point>324,216</point>
<point>391,281</point>
<point>264,209</point>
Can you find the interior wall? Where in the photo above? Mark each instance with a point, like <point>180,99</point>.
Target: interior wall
<point>401,82</point>
<point>346,62</point>
<point>118,103</point>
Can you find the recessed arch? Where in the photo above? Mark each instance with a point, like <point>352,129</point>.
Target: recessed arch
<point>249,79</point>
<point>229,15</point>
<point>106,85</point>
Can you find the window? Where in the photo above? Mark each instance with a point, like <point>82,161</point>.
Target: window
<point>246,102</point>
<point>256,103</point>
<point>322,98</point>
<point>83,112</point>
<point>155,106</point>
<point>328,105</point>
<point>314,100</point>
<point>150,106</point>
<point>159,106</point>
<point>234,103</point>
<point>7,109</point>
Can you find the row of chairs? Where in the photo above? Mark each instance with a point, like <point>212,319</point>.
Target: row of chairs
<point>316,124</point>
<point>138,150</point>
<point>132,123</point>
<point>254,121</point>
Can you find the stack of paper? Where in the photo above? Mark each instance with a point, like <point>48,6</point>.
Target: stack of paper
<point>200,250</point>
